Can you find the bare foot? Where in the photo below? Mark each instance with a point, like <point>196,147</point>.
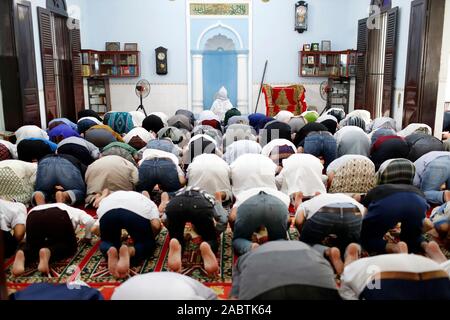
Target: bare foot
<point>427,225</point>
<point>298,200</point>
<point>19,264</point>
<point>96,201</point>
<point>352,253</point>
<point>334,255</point>
<point>220,196</point>
<point>400,247</point>
<point>99,198</point>
<point>174,259</point>
<point>433,251</point>
<point>39,198</point>
<point>123,266</point>
<point>113,259</point>
<point>62,197</point>
<point>164,201</point>
<point>447,196</point>
<point>146,194</point>
<point>209,258</point>
<point>44,258</point>
<point>442,230</point>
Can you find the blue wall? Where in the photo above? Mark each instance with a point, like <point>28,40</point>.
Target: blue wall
<point>154,23</point>
<point>150,23</point>
<point>239,25</point>
<point>275,39</point>
<point>219,69</point>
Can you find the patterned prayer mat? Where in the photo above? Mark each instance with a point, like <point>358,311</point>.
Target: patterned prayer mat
<point>89,266</point>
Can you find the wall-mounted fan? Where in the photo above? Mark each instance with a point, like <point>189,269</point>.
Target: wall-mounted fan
<point>143,89</point>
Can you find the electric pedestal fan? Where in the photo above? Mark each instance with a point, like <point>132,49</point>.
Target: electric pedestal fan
<point>325,89</point>
<point>142,91</point>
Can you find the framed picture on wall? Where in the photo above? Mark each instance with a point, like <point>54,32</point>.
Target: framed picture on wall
<point>112,46</point>
<point>326,45</point>
<point>130,47</point>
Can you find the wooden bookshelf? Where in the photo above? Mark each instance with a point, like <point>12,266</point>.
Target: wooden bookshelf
<point>99,95</point>
<point>327,64</point>
<point>110,64</point>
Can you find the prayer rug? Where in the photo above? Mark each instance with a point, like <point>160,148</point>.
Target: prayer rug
<point>89,266</point>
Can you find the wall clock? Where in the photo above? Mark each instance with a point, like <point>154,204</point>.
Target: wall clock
<point>161,61</point>
<point>301,16</point>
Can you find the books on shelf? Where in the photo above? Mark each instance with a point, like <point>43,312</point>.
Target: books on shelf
<point>132,59</point>
<point>110,64</point>
<point>85,58</point>
<point>127,70</point>
<point>86,71</point>
<point>107,62</point>
<point>97,100</point>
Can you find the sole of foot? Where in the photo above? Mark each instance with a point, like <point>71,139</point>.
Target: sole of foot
<point>447,196</point>
<point>334,255</point>
<point>61,197</point>
<point>146,194</point>
<point>19,264</point>
<point>174,258</point>
<point>123,266</point>
<point>209,258</point>
<point>39,199</point>
<point>352,253</point>
<point>44,258</point>
<point>402,247</point>
<point>164,201</point>
<point>113,259</point>
<point>433,251</point>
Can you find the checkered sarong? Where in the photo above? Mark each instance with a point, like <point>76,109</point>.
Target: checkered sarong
<point>356,176</point>
<point>12,188</point>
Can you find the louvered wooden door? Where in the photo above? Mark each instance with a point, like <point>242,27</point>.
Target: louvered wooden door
<point>9,69</point>
<point>78,87</point>
<point>360,90</point>
<point>371,75</point>
<point>423,62</point>
<point>48,66</point>
<point>24,41</point>
<point>61,65</point>
<point>389,62</point>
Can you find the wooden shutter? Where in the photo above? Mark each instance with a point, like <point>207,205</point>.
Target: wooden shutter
<point>23,27</point>
<point>389,62</point>
<point>75,45</point>
<point>360,89</point>
<point>431,62</point>
<point>48,66</point>
<point>414,64</point>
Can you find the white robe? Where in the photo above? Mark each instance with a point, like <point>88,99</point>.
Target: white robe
<point>222,104</point>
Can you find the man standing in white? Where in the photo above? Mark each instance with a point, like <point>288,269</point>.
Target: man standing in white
<point>222,104</point>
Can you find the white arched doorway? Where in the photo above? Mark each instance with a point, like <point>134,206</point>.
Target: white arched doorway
<point>219,59</point>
